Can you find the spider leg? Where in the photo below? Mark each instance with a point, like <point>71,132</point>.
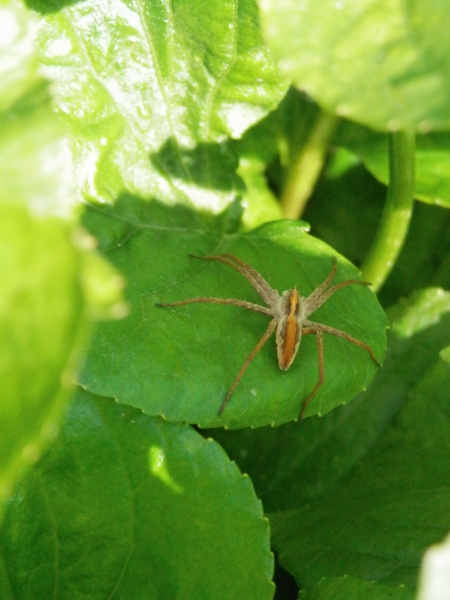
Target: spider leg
<point>270,329</point>
<point>321,294</point>
<point>345,336</point>
<point>313,298</point>
<point>319,340</point>
<point>267,293</point>
<point>233,301</point>
<point>311,307</point>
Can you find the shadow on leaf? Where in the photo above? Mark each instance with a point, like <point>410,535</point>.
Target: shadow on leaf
<point>211,165</point>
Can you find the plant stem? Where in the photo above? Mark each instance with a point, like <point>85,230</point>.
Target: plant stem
<point>307,166</point>
<point>397,210</point>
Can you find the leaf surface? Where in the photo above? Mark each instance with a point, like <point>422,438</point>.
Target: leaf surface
<point>151,89</point>
<point>351,588</point>
<point>432,159</point>
<point>47,280</point>
<point>383,64</point>
<point>128,506</point>
<point>180,362</point>
<point>385,513</point>
<point>366,489</point>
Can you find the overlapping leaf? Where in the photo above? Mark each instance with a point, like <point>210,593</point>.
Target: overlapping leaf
<point>151,89</point>
<point>127,506</point>
<point>432,160</point>
<point>351,588</point>
<point>179,362</point>
<point>367,488</point>
<point>383,64</point>
<point>47,282</point>
<point>385,513</point>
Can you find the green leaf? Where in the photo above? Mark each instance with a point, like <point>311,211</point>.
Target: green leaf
<point>180,362</point>
<point>45,273</point>
<point>389,509</point>
<point>378,63</point>
<point>34,143</point>
<point>129,506</point>
<point>351,588</point>
<point>432,184</point>
<point>40,314</point>
<point>387,477</point>
<point>150,90</point>
<point>41,305</point>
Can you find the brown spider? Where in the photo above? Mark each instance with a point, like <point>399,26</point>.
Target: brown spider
<point>289,313</point>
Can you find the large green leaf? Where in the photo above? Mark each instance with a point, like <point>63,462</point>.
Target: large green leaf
<point>392,506</point>
<point>40,300</point>
<point>384,64</point>
<point>179,362</point>
<point>41,307</point>
<point>151,89</point>
<point>48,282</point>
<point>129,506</point>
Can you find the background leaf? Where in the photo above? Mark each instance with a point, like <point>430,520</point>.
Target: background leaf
<point>432,159</point>
<point>45,272</point>
<point>151,90</point>
<point>183,360</point>
<point>373,62</point>
<point>40,294</point>
<point>382,460</point>
<point>149,508</point>
<point>370,530</point>
<point>351,588</point>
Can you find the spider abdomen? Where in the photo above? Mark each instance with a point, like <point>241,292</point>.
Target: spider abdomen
<point>289,330</point>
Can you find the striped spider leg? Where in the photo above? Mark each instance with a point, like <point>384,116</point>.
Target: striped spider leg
<point>289,312</point>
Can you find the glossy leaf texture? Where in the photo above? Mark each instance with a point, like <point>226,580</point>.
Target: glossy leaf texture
<point>151,89</point>
<point>180,362</point>
<point>149,509</point>
<point>363,491</point>
<point>383,64</point>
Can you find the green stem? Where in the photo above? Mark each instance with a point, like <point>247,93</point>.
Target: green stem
<point>306,168</point>
<point>397,210</point>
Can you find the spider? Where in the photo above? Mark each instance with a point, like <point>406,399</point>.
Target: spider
<point>289,312</point>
